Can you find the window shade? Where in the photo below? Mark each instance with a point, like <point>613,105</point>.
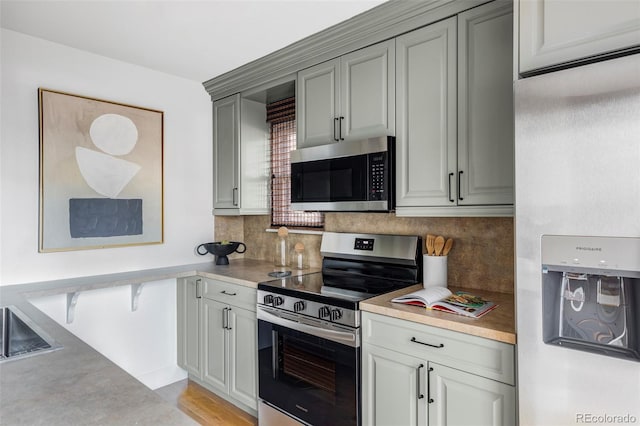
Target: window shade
<point>282,118</point>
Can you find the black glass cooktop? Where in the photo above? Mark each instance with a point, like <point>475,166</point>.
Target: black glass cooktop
<point>344,282</point>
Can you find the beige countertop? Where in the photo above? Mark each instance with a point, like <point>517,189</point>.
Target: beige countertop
<point>77,384</point>
<point>499,324</point>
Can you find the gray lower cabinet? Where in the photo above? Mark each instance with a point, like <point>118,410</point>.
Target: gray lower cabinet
<point>188,314</point>
<point>223,318</point>
<point>454,102</point>
<point>414,374</point>
<point>460,398</point>
<point>556,33</point>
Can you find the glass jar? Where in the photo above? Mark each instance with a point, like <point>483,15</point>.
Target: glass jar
<point>281,252</point>
<point>299,257</point>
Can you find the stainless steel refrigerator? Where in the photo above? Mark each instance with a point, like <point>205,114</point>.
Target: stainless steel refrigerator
<point>577,152</point>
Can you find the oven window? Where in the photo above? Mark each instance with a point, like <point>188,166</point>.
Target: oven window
<point>304,363</point>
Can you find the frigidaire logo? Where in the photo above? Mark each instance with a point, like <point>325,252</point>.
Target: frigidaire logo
<point>584,248</point>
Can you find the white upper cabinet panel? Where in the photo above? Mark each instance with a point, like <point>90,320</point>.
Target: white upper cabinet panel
<point>554,32</point>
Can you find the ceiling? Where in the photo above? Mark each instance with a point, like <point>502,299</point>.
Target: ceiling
<point>197,40</point>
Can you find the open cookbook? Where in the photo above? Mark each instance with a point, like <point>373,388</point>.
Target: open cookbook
<point>441,299</point>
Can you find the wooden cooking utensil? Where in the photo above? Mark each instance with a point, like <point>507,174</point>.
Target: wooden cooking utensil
<point>438,244</point>
<point>447,246</point>
<point>429,243</point>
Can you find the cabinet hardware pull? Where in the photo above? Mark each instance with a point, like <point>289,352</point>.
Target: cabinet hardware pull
<point>413,339</point>
<point>234,196</point>
<point>450,198</point>
<point>335,130</point>
<point>429,385</point>
<point>228,322</point>
<point>420,396</point>
<point>198,289</point>
<point>228,294</point>
<point>459,185</point>
<point>341,138</point>
<point>224,318</point>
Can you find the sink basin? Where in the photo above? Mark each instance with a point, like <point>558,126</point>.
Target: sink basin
<point>21,337</point>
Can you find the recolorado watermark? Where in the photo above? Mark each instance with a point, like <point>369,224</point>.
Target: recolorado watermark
<point>604,418</point>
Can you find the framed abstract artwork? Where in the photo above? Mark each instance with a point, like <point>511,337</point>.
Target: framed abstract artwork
<point>101,173</point>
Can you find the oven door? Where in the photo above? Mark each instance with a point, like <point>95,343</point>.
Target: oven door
<point>314,378</point>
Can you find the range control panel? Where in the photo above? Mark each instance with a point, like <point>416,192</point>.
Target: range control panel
<point>364,244</point>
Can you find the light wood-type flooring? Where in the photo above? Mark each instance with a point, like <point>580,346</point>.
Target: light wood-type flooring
<point>203,406</point>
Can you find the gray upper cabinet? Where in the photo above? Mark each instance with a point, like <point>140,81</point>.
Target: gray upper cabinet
<point>455,116</point>
<point>317,105</point>
<point>226,152</point>
<point>241,157</point>
<point>426,145</point>
<point>558,32</point>
<point>350,97</point>
<point>485,105</point>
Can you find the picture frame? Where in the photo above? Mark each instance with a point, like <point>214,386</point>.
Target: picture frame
<point>101,173</point>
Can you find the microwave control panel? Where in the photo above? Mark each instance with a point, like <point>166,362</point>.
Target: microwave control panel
<point>377,171</point>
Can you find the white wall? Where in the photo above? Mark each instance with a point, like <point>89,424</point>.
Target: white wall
<point>103,318</point>
<point>29,63</point>
<point>138,341</point>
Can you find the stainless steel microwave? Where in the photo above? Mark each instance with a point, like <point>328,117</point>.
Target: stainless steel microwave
<point>345,176</point>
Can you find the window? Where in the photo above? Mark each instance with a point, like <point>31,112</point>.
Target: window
<point>282,118</point>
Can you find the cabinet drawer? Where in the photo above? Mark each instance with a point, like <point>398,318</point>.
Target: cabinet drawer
<point>232,294</point>
<point>477,355</point>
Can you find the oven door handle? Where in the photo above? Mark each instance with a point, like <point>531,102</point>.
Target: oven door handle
<point>343,337</point>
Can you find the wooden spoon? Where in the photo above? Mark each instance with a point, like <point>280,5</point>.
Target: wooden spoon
<point>438,244</point>
<point>447,246</point>
<point>429,243</point>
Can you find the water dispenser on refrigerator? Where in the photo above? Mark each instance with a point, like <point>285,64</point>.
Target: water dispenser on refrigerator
<point>591,294</point>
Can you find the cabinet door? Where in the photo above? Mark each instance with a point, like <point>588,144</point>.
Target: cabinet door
<point>393,388</point>
<point>426,108</point>
<point>214,351</point>
<point>188,313</point>
<point>226,143</point>
<point>458,398</point>
<point>367,92</point>
<point>485,105</point>
<point>317,104</point>
<point>554,32</point>
<point>242,356</point>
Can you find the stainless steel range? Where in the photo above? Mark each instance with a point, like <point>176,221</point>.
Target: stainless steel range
<point>309,327</point>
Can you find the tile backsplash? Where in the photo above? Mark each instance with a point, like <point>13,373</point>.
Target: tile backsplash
<point>482,256</point>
